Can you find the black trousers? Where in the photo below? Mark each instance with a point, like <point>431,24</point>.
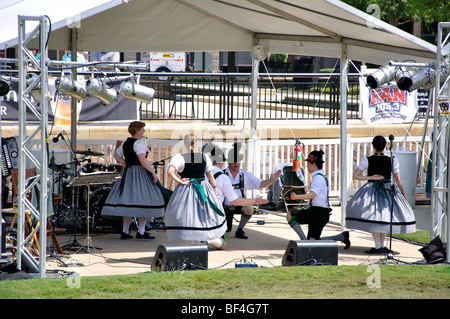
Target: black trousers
<point>315,217</point>
<point>229,213</point>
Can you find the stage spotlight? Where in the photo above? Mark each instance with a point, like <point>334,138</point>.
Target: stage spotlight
<point>132,91</point>
<point>67,85</point>
<point>5,87</point>
<point>424,78</point>
<point>383,75</point>
<point>100,90</point>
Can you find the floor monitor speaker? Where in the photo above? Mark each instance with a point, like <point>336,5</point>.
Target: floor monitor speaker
<point>180,257</point>
<point>310,252</point>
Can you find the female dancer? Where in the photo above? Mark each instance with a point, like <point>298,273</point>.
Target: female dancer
<point>136,194</point>
<point>194,212</point>
<point>370,208</point>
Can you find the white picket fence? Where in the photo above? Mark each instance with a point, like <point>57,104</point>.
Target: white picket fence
<point>281,151</point>
<point>263,155</point>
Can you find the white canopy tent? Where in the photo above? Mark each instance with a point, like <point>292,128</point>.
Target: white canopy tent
<point>303,27</point>
<point>326,28</point>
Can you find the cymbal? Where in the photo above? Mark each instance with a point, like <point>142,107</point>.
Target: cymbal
<point>89,153</point>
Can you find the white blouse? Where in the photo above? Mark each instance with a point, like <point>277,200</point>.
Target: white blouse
<point>178,162</point>
<point>139,147</point>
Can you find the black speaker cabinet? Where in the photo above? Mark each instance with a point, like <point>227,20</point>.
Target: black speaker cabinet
<point>180,257</point>
<point>311,252</point>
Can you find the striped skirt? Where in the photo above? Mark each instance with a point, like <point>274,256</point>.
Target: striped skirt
<point>370,210</point>
<point>190,217</point>
<point>137,197</point>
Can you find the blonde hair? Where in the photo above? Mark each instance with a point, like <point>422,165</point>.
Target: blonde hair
<point>189,142</point>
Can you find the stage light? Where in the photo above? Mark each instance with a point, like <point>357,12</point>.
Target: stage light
<point>100,90</point>
<point>130,90</point>
<point>5,87</point>
<point>67,85</point>
<point>383,75</point>
<point>424,78</point>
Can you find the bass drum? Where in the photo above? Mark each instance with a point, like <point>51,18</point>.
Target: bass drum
<point>101,223</point>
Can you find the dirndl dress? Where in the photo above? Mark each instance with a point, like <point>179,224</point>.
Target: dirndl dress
<point>370,209</point>
<point>194,212</point>
<point>135,194</point>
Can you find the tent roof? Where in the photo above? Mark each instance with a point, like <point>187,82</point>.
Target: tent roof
<point>303,27</point>
<point>61,13</point>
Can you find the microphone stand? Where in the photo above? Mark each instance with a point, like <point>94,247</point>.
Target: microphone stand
<point>389,254</point>
<point>52,161</point>
<point>75,193</point>
<point>158,223</point>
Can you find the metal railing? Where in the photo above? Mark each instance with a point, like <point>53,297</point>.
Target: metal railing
<point>268,153</point>
<point>226,97</point>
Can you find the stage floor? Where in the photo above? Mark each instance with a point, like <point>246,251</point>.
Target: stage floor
<point>266,245</point>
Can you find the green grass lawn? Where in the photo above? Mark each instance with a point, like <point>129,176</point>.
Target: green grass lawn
<point>385,281</point>
<point>302,282</point>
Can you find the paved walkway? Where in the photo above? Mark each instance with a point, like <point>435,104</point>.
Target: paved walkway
<point>266,246</point>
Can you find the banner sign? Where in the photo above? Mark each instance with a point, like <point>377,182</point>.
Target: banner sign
<point>386,104</point>
<point>90,110</point>
<point>444,105</point>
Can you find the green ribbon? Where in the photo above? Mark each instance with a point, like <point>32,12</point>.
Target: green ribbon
<point>165,192</point>
<point>197,183</point>
<point>379,186</point>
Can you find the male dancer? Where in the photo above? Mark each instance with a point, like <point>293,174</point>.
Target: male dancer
<point>318,214</point>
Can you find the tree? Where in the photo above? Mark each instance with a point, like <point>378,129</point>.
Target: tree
<point>399,12</point>
<point>396,12</point>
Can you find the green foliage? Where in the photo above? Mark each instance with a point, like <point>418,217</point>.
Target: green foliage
<point>399,11</point>
<point>279,58</point>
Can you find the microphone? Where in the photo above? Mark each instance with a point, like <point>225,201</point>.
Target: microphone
<point>60,135</point>
<point>391,138</point>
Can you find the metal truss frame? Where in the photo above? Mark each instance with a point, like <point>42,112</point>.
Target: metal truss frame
<point>440,195</point>
<point>40,28</point>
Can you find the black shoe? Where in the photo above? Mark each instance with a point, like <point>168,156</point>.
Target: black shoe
<point>125,236</point>
<point>144,236</point>
<point>346,240</point>
<point>375,251</point>
<point>269,206</point>
<point>241,234</point>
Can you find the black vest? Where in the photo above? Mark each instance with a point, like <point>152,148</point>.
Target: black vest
<point>194,166</point>
<point>379,165</point>
<point>130,155</point>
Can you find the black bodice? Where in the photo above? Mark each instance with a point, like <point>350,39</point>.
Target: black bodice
<point>380,165</point>
<point>194,167</point>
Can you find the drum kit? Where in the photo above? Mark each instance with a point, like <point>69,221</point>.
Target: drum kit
<point>82,193</point>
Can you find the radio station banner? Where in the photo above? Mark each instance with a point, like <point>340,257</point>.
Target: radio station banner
<point>444,105</point>
<point>89,111</point>
<point>386,104</point>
